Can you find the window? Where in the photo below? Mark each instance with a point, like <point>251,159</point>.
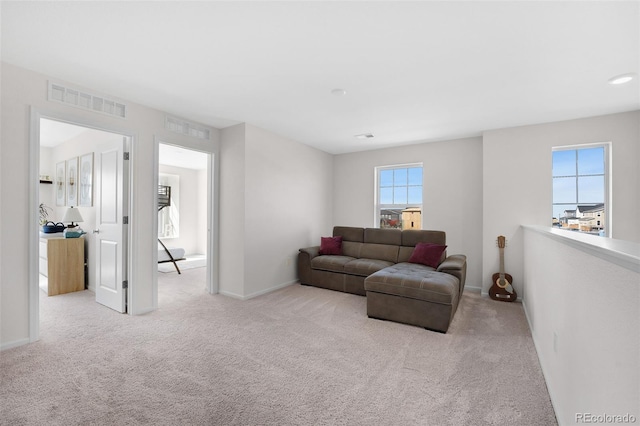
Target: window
<point>580,181</point>
<point>399,196</point>
<point>169,217</point>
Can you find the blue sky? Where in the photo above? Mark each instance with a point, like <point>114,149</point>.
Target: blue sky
<point>401,186</point>
<point>578,178</point>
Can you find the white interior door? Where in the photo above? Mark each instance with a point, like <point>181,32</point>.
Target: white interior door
<point>109,234</point>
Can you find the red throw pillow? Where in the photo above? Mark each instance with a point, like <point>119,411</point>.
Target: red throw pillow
<point>427,254</point>
<point>331,245</point>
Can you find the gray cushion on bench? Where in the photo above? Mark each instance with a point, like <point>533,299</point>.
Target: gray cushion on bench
<point>416,282</point>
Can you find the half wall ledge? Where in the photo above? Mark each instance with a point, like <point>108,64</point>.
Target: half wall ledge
<point>620,252</point>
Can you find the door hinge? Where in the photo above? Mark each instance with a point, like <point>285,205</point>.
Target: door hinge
<point>126,155</point>
<point>125,220</point>
<point>125,284</point>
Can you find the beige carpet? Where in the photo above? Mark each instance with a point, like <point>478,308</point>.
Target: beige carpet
<point>298,356</point>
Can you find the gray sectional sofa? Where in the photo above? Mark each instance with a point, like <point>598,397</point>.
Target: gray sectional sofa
<point>374,263</point>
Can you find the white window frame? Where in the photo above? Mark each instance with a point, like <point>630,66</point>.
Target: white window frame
<point>378,206</point>
<point>608,223</point>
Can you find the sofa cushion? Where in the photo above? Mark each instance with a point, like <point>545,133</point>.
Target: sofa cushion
<point>330,262</point>
<point>365,267</point>
<point>427,254</point>
<point>383,236</point>
<point>351,248</point>
<point>331,245</point>
<point>416,282</point>
<point>386,252</point>
<point>411,237</point>
<point>349,233</point>
<point>404,253</point>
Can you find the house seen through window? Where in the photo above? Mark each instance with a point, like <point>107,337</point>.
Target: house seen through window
<point>399,196</point>
<point>580,189</point>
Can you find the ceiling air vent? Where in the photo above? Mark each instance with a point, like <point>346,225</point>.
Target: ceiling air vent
<point>184,127</point>
<point>87,101</point>
<point>364,136</point>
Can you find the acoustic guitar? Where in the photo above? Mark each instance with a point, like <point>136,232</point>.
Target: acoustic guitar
<point>502,288</point>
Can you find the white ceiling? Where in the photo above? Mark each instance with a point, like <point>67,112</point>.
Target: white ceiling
<point>54,133</point>
<point>170,155</point>
<point>413,71</point>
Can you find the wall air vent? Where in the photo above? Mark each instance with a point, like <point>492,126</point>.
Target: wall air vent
<point>184,127</point>
<point>87,101</point>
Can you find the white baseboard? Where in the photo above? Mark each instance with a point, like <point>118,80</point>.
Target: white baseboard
<point>14,344</point>
<point>258,293</point>
<point>232,295</point>
<point>142,311</point>
<point>269,290</point>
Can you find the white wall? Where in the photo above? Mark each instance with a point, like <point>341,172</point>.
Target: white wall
<point>20,89</point>
<point>517,181</point>
<point>232,208</point>
<point>591,305</point>
<point>276,199</point>
<point>288,206</point>
<point>452,192</point>
<point>202,223</point>
<point>47,194</point>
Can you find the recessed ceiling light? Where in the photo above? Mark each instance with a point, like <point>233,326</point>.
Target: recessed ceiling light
<point>338,92</point>
<point>621,79</point>
<point>364,136</point>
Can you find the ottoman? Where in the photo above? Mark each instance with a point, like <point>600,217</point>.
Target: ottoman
<point>413,294</point>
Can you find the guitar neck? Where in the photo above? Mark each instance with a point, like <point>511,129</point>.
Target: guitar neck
<point>502,263</point>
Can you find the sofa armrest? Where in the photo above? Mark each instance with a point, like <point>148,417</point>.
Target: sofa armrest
<point>304,263</point>
<point>455,265</point>
<point>311,251</point>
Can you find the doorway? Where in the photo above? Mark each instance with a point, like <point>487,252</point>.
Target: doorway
<point>185,237</point>
<point>67,160</point>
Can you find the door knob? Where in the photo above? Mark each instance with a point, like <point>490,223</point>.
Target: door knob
<point>96,231</point>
